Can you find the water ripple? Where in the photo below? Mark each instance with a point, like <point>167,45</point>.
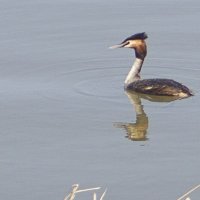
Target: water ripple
<point>107,82</point>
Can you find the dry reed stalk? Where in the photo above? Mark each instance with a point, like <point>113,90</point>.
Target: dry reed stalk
<point>75,190</point>
<point>102,196</point>
<point>94,196</point>
<point>187,193</point>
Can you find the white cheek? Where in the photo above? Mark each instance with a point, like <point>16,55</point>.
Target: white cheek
<point>131,44</point>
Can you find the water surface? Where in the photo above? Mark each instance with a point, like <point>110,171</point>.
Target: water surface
<point>62,97</point>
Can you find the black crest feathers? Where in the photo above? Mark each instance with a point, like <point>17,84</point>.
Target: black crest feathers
<point>137,36</point>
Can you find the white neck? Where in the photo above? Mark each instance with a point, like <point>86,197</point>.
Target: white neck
<point>134,73</point>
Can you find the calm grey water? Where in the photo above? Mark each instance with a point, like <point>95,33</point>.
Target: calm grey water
<point>65,117</point>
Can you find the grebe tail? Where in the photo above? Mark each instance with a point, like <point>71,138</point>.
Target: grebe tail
<point>133,81</point>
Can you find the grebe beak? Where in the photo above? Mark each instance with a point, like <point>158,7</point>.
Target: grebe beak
<point>119,45</point>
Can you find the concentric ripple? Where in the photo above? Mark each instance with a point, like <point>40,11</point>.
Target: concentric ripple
<point>104,78</point>
<point>107,82</point>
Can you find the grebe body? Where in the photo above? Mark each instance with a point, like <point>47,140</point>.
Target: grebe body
<point>163,87</point>
<point>133,81</point>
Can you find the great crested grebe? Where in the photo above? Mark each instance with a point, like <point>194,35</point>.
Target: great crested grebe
<point>167,87</point>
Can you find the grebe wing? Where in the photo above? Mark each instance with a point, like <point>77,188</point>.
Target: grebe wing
<point>167,87</point>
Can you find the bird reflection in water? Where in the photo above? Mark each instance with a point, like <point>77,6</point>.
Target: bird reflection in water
<point>138,131</point>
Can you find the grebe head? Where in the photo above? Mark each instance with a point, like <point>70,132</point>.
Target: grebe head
<point>136,42</point>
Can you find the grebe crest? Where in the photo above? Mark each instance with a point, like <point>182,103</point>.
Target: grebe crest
<point>133,81</point>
